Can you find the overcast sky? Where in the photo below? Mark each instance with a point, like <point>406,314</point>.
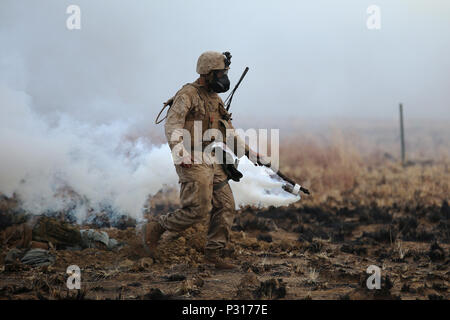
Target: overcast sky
<point>307,59</point>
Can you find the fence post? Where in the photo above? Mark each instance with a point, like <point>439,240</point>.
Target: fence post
<point>402,134</point>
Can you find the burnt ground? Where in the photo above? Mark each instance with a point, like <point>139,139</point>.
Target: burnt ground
<point>297,252</point>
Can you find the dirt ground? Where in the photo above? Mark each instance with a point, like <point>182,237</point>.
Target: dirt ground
<point>291,253</point>
<point>319,248</point>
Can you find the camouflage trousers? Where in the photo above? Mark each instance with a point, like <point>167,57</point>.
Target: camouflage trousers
<point>202,194</point>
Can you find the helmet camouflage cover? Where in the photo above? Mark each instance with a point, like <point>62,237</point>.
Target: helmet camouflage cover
<point>212,60</point>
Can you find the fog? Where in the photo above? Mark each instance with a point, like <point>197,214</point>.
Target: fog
<point>306,59</point>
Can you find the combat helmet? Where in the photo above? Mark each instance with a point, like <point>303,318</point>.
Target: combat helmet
<point>213,60</point>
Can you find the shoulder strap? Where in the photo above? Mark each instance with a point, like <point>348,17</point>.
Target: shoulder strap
<point>168,103</point>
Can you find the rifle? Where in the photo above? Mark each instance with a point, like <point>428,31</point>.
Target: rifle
<point>291,186</point>
<point>230,96</point>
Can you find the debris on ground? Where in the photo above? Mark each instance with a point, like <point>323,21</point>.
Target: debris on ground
<point>175,277</point>
<point>60,234</point>
<point>13,256</point>
<point>156,294</point>
<point>436,253</point>
<point>97,239</point>
<point>38,258</point>
<point>17,236</point>
<point>271,289</point>
<point>247,286</point>
<point>317,249</point>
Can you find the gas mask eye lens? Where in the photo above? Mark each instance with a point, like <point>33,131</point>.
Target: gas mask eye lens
<point>221,73</point>
<point>220,82</point>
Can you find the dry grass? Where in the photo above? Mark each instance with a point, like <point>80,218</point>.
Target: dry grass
<point>346,169</point>
<point>325,165</point>
<point>336,170</point>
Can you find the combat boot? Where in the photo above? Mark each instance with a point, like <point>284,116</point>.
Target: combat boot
<point>212,256</point>
<point>151,234</point>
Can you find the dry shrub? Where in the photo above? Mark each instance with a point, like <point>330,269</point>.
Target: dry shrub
<point>337,168</point>
<point>327,165</point>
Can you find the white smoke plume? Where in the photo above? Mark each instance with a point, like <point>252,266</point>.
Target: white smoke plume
<point>70,103</point>
<point>258,188</point>
<point>97,163</point>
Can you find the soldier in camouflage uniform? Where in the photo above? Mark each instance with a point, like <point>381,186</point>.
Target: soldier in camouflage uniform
<point>204,185</point>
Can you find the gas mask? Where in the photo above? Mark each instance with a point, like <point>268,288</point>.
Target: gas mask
<point>218,81</point>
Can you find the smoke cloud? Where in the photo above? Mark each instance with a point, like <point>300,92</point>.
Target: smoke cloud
<point>76,164</point>
<point>75,121</point>
<point>83,166</point>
